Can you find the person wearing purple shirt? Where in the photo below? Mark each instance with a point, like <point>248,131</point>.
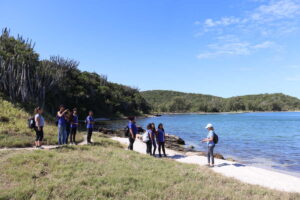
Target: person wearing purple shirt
<point>133,130</point>
<point>153,138</point>
<point>90,126</point>
<point>161,138</point>
<point>74,126</point>
<point>61,123</point>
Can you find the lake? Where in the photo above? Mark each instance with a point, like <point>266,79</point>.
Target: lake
<point>268,140</point>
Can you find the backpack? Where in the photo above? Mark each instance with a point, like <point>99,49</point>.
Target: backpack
<point>146,137</point>
<point>31,123</point>
<point>216,138</point>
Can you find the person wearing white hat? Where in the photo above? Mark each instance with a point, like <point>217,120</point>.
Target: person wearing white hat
<point>210,145</point>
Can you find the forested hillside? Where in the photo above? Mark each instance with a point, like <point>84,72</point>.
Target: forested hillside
<point>171,101</point>
<point>26,79</point>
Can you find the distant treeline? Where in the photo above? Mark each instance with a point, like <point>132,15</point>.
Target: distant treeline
<point>171,101</point>
<point>24,78</point>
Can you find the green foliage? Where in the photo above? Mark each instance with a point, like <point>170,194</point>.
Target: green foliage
<point>170,101</point>
<point>48,83</point>
<point>106,171</point>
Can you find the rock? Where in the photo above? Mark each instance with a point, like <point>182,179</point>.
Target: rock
<point>230,159</point>
<point>219,156</point>
<point>175,139</point>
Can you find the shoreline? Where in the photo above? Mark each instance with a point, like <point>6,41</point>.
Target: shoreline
<point>215,113</point>
<point>245,173</point>
<point>175,143</point>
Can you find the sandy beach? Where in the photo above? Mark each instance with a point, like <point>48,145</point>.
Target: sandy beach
<point>241,172</point>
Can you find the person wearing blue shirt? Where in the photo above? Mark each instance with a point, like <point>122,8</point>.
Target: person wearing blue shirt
<point>90,126</point>
<point>161,138</point>
<point>154,135</point>
<point>132,132</point>
<point>210,145</point>
<point>74,126</point>
<point>61,123</point>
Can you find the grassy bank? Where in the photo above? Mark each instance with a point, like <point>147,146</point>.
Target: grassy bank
<point>14,131</point>
<point>106,171</point>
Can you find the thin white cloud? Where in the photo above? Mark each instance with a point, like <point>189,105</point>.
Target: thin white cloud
<point>269,21</point>
<point>274,10</point>
<point>233,48</point>
<point>277,10</point>
<point>224,21</point>
<point>264,45</point>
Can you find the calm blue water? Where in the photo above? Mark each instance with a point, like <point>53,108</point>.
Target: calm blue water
<point>269,140</point>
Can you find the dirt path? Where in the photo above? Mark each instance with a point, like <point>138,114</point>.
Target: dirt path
<point>45,147</point>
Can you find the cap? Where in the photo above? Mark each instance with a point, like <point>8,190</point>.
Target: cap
<point>209,126</point>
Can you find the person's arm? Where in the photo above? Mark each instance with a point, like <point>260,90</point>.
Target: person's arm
<point>131,133</point>
<point>208,139</point>
<point>151,136</point>
<point>61,114</point>
<point>37,122</point>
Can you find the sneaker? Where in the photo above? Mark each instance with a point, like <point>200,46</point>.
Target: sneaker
<point>41,147</point>
<point>165,155</point>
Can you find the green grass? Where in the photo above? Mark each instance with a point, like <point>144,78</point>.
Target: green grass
<point>14,131</point>
<point>107,171</point>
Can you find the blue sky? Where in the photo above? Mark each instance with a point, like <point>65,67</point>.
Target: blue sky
<point>224,48</point>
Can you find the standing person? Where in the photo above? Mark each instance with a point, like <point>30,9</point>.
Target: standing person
<point>90,126</point>
<point>161,138</point>
<point>132,132</point>
<point>149,143</point>
<point>61,123</point>
<point>68,119</point>
<point>39,125</point>
<point>153,137</point>
<point>74,126</point>
<point>210,145</point>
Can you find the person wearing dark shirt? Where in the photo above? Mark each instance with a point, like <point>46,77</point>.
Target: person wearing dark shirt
<point>132,132</point>
<point>74,126</point>
<point>68,116</point>
<point>161,139</point>
<point>90,126</point>
<point>154,134</point>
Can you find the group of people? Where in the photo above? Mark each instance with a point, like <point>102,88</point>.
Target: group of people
<point>156,137</point>
<point>67,123</point>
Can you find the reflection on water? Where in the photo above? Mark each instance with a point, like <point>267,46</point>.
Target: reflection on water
<point>262,139</point>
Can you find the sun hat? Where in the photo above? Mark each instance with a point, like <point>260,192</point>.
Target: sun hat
<point>209,126</point>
